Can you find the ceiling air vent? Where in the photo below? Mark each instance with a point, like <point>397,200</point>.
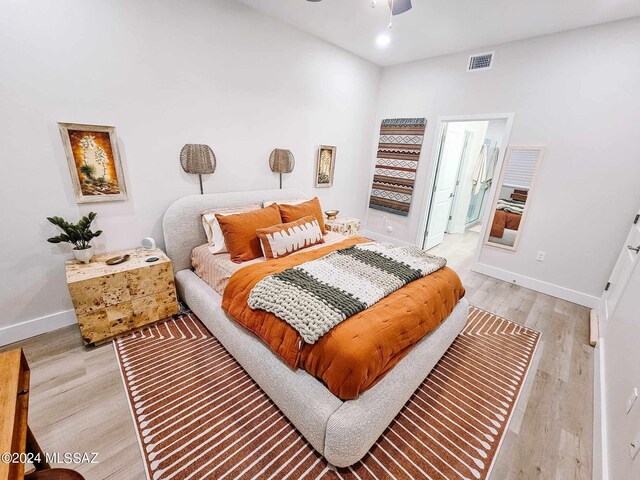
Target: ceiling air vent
<point>482,61</point>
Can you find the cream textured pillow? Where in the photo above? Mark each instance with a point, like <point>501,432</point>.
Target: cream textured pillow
<point>285,201</point>
<point>284,239</point>
<point>215,239</point>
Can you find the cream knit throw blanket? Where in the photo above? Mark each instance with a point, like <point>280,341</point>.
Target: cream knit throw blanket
<point>317,295</point>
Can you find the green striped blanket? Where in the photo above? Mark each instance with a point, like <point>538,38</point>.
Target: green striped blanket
<point>317,295</point>
<point>511,206</point>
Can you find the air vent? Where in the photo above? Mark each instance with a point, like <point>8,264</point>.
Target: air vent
<point>481,61</point>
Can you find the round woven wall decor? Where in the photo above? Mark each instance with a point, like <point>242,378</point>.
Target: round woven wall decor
<point>198,159</point>
<point>281,161</point>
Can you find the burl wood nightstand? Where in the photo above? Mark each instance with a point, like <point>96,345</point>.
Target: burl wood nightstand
<point>111,300</point>
<point>345,225</point>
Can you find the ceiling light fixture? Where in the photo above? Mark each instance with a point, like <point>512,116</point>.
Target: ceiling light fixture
<point>383,40</point>
<point>396,6</point>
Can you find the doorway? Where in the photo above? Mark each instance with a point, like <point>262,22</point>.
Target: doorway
<point>466,162</point>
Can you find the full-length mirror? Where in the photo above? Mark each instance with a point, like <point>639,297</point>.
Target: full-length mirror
<point>513,196</point>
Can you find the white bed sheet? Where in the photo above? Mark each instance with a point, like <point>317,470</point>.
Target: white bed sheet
<point>508,238</point>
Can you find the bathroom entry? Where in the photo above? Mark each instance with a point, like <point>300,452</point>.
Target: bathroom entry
<point>466,163</point>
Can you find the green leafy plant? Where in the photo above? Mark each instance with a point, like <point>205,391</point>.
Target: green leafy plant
<point>78,234</point>
<point>88,171</point>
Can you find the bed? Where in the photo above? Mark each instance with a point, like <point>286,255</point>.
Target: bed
<point>341,430</point>
<point>508,237</point>
<point>507,218</point>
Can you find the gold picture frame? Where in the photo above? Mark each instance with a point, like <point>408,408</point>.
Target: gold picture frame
<point>325,166</point>
<point>94,162</point>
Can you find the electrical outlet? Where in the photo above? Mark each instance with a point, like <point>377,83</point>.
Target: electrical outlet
<point>631,400</point>
<point>540,256</point>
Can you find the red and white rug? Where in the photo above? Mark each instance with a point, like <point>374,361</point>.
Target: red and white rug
<point>199,415</point>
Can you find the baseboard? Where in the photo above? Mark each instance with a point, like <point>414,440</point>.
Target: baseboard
<point>382,238</point>
<point>593,327</point>
<point>37,326</point>
<point>600,465</point>
<point>557,291</point>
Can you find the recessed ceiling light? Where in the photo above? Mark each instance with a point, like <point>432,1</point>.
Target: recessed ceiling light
<point>383,40</point>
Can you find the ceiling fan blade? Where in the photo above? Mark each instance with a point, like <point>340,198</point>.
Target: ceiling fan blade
<point>399,6</point>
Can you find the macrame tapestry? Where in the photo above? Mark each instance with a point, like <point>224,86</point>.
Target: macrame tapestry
<point>396,164</point>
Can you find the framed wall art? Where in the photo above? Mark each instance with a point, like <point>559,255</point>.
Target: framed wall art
<point>326,165</point>
<point>94,162</point>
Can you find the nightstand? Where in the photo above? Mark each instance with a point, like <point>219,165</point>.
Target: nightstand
<point>113,299</point>
<point>343,225</point>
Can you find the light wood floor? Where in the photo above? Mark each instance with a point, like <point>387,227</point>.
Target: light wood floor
<point>78,401</point>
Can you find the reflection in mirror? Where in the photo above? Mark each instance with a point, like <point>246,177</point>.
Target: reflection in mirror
<point>513,196</point>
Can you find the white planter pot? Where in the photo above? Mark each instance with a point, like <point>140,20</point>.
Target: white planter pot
<point>85,255</point>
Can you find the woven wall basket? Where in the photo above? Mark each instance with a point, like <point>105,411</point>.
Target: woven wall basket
<point>198,159</point>
<point>281,161</point>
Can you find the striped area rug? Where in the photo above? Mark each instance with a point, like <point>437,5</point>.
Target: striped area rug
<point>199,415</point>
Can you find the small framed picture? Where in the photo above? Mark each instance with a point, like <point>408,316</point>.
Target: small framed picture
<point>326,165</point>
<point>94,162</point>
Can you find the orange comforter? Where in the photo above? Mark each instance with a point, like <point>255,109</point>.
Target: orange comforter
<point>502,220</point>
<point>357,353</point>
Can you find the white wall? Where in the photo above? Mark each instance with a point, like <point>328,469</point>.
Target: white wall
<point>576,93</point>
<point>165,73</point>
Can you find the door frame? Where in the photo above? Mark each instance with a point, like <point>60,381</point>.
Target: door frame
<point>435,160</point>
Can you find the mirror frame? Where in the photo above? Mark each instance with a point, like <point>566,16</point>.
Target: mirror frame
<point>507,158</point>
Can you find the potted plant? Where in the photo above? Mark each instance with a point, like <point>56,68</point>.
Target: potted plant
<point>78,234</point>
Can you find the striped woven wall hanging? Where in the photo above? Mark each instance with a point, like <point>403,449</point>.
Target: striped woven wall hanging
<point>396,164</point>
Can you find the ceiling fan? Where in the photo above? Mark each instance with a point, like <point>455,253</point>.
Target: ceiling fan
<point>397,6</point>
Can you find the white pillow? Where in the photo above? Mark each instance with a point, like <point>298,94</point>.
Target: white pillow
<point>215,239</point>
<point>284,201</point>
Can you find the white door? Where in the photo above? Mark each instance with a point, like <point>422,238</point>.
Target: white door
<point>621,372</point>
<point>444,189</point>
<point>620,275</point>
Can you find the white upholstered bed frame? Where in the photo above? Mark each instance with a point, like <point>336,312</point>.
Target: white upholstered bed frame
<point>342,431</point>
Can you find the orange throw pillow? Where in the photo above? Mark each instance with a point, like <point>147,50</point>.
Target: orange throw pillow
<point>239,231</point>
<point>291,213</point>
<point>284,239</point>
<point>499,223</point>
